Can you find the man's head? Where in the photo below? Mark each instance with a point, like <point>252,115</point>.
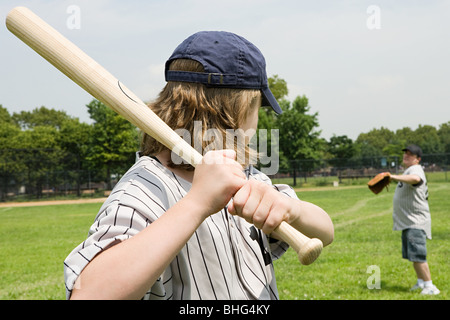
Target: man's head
<point>412,155</point>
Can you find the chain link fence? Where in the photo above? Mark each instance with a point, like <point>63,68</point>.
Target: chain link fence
<point>338,171</point>
<point>48,173</point>
<point>27,174</point>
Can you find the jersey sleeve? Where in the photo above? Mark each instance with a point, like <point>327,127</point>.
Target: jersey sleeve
<point>418,171</point>
<point>114,224</point>
<point>134,203</point>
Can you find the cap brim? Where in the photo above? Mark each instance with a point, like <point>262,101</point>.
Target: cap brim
<point>269,100</point>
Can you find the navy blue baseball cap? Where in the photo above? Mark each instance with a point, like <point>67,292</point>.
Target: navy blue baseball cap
<point>414,149</point>
<point>229,60</point>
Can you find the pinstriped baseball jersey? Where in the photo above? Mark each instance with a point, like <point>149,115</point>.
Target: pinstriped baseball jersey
<point>410,202</point>
<point>220,261</point>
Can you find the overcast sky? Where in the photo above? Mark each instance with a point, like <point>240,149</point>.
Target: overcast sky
<point>362,64</point>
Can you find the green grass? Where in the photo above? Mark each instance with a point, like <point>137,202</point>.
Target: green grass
<point>363,238</point>
<point>432,177</point>
<point>34,241</point>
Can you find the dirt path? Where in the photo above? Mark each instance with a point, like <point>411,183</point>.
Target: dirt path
<point>99,200</point>
<point>48,203</point>
<point>329,188</point>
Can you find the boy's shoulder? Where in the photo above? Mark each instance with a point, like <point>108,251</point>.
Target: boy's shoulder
<point>146,184</point>
<point>147,172</point>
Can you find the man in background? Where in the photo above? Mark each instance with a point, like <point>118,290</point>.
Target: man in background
<point>412,216</point>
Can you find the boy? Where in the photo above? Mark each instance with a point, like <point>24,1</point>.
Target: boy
<point>412,216</point>
<point>168,231</point>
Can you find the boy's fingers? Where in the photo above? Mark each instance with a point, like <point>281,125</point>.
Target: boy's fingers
<point>228,153</point>
<point>249,207</point>
<point>261,214</point>
<point>239,199</point>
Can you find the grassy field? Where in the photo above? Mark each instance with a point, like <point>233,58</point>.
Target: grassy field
<point>34,241</point>
<point>364,238</point>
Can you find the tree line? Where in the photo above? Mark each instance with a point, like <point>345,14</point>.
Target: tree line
<point>300,135</point>
<point>45,144</point>
<point>34,143</point>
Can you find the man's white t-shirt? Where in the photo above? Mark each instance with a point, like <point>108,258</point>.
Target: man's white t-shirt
<point>411,209</point>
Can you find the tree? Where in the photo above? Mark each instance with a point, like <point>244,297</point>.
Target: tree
<point>427,138</point>
<point>406,135</point>
<point>267,117</point>
<point>444,136</point>
<point>299,137</point>
<point>278,87</point>
<point>298,134</point>
<point>113,141</point>
<point>387,144</point>
<point>41,157</point>
<point>8,131</point>
<point>73,139</point>
<point>372,143</point>
<point>40,117</point>
<point>341,147</point>
<point>67,144</point>
<point>5,117</point>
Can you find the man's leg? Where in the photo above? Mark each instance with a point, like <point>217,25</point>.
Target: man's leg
<point>422,270</point>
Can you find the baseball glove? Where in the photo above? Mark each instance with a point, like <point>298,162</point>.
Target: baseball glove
<point>379,182</point>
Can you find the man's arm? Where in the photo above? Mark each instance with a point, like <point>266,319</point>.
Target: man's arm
<point>409,178</point>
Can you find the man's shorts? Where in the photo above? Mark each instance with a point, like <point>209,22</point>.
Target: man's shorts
<point>414,245</point>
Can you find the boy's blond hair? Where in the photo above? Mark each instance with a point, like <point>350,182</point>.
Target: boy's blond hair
<point>182,104</point>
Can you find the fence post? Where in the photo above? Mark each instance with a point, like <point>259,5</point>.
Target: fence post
<point>295,171</point>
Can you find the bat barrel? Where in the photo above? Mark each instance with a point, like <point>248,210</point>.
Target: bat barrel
<point>92,77</point>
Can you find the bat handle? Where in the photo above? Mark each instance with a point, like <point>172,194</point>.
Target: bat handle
<point>308,250</point>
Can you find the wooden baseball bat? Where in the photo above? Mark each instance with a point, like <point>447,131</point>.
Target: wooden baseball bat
<point>93,78</point>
